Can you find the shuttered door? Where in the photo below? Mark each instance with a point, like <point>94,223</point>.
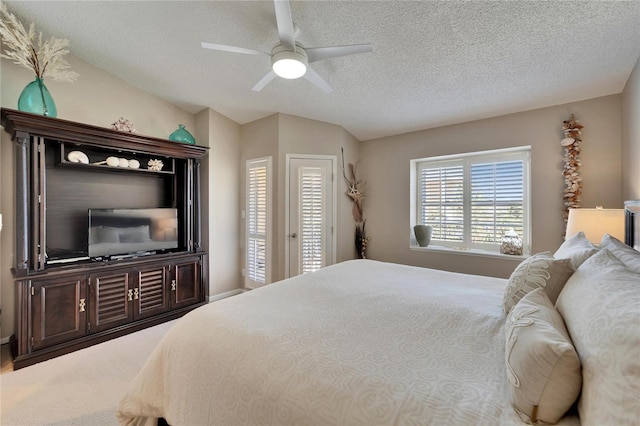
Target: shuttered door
<point>312,221</point>
<point>257,216</point>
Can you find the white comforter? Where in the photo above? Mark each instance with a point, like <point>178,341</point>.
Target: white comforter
<point>361,342</point>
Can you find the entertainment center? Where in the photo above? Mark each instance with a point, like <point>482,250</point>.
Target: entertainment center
<point>107,234</point>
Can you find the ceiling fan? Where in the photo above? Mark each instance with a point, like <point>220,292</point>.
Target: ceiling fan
<point>290,59</point>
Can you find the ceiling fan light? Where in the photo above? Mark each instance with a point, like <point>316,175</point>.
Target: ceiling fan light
<point>289,64</point>
<point>289,68</point>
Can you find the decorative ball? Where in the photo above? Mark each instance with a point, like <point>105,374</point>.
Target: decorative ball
<point>123,162</point>
<point>113,161</point>
<point>134,164</point>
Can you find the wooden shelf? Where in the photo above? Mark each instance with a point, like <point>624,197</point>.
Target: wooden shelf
<point>98,157</point>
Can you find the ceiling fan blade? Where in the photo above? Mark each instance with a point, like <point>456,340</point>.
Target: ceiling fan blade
<point>264,81</point>
<point>315,54</point>
<point>285,24</point>
<point>315,78</point>
<point>233,49</point>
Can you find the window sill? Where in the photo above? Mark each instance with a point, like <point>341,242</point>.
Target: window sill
<point>468,252</point>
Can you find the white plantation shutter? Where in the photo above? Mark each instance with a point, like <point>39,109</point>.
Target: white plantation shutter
<point>257,217</point>
<point>442,200</point>
<point>312,219</point>
<point>497,200</point>
<point>471,200</point>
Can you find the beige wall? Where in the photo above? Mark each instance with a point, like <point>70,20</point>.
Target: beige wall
<point>385,165</point>
<point>96,98</point>
<point>220,199</point>
<point>631,136</point>
<point>279,135</point>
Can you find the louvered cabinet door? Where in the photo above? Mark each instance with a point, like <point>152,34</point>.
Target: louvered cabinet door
<point>150,291</point>
<point>111,299</point>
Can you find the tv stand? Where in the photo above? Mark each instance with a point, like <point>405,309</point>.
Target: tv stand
<point>73,301</point>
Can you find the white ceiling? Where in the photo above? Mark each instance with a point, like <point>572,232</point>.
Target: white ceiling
<point>433,63</point>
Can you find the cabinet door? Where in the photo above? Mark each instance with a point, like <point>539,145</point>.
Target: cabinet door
<point>186,286</point>
<point>58,310</point>
<point>150,294</point>
<point>111,299</point>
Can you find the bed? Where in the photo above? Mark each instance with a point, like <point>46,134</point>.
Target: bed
<point>368,342</point>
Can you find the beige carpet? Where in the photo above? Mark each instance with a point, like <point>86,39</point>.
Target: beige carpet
<point>81,388</point>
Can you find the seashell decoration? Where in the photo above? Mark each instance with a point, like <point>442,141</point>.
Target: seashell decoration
<point>572,180</point>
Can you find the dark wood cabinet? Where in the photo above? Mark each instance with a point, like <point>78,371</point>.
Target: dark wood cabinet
<point>65,299</point>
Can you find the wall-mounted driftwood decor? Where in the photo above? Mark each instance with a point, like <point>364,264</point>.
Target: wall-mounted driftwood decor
<point>572,180</point>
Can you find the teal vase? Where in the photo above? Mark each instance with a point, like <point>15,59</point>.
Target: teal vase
<point>35,98</point>
<point>182,135</point>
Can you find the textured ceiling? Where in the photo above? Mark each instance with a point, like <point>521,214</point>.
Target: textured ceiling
<point>433,63</point>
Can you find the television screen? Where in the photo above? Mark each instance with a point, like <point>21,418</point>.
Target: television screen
<point>114,232</point>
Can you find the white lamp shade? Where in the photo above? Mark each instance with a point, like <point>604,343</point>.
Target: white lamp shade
<point>595,223</point>
<point>287,63</point>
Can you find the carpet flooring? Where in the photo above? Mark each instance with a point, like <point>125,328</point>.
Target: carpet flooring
<point>80,388</point>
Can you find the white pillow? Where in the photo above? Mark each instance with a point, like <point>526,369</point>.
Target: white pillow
<point>543,367</point>
<point>626,254</point>
<point>600,305</point>
<point>577,248</point>
<point>538,271</point>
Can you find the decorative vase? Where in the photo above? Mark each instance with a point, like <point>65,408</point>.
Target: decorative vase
<point>423,234</point>
<point>511,243</point>
<point>182,135</point>
<point>35,98</point>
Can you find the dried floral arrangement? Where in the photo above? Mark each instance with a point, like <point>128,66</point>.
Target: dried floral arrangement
<point>29,50</point>
<point>572,180</point>
<point>355,191</point>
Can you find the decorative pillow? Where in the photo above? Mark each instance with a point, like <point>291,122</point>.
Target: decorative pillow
<point>600,305</point>
<point>577,248</point>
<point>538,271</point>
<point>625,254</point>
<point>543,367</point>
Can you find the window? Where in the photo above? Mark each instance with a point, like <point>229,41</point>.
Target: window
<point>258,178</point>
<point>471,200</point>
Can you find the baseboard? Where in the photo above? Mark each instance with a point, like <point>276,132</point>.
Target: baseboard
<point>224,295</point>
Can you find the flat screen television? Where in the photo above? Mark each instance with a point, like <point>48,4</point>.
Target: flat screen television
<point>122,232</point>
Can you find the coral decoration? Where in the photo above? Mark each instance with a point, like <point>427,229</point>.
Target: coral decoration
<point>123,125</point>
<point>572,180</point>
